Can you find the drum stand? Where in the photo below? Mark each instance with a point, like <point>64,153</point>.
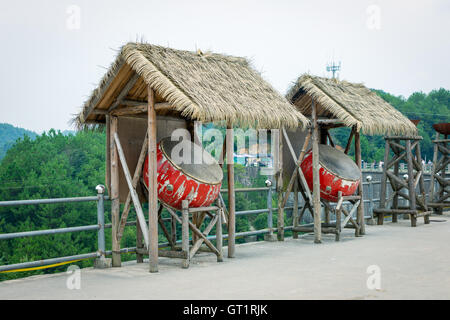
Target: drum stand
<point>439,199</point>
<point>197,215</point>
<point>298,183</point>
<point>142,238</point>
<point>403,148</point>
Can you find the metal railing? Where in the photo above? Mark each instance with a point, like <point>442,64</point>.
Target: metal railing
<point>403,167</point>
<point>101,226</point>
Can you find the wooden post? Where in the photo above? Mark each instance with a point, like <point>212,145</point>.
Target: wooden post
<point>297,171</point>
<point>115,202</point>
<point>219,239</point>
<point>108,153</point>
<point>338,217</point>
<point>185,232</point>
<point>411,186</point>
<point>324,134</point>
<point>152,183</point>
<point>137,205</point>
<point>360,214</point>
<point>295,219</point>
<point>383,186</point>
<point>137,175</point>
<point>173,229</point>
<point>139,244</point>
<point>280,220</point>
<point>327,214</point>
<point>395,199</point>
<point>316,181</point>
<point>325,138</point>
<point>433,170</point>
<point>442,147</point>
<point>422,183</point>
<point>231,196</point>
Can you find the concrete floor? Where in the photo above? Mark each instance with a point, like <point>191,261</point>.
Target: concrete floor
<point>414,264</point>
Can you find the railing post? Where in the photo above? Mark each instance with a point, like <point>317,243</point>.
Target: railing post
<point>370,192</point>
<point>101,262</point>
<point>269,236</point>
<point>185,233</point>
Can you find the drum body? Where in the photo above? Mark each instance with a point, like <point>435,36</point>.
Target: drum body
<point>197,180</point>
<point>337,172</point>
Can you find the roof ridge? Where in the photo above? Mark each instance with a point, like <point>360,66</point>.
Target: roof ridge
<point>337,102</point>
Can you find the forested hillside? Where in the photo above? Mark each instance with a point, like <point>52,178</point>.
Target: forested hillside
<point>8,136</point>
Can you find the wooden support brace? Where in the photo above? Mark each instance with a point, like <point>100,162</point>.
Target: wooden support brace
<point>124,92</point>
<point>134,196</point>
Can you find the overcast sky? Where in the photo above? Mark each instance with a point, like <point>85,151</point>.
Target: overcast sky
<point>51,61</point>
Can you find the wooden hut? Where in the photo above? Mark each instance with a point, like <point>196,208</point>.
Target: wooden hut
<point>151,90</point>
<point>331,103</point>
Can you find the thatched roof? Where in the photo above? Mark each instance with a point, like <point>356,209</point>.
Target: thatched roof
<point>198,86</point>
<point>353,104</point>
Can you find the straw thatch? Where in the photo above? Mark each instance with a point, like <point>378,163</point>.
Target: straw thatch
<point>205,87</point>
<point>353,104</point>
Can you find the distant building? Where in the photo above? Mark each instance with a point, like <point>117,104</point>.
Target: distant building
<point>252,158</point>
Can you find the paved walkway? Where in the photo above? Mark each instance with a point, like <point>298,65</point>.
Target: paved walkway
<point>414,263</point>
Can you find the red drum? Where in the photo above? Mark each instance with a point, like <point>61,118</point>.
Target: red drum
<point>337,172</point>
<point>196,177</point>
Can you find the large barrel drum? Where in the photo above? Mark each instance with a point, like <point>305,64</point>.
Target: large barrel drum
<point>337,172</point>
<point>185,172</point>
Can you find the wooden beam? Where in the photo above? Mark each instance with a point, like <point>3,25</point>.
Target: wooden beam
<point>350,138</point>
<point>99,111</point>
<point>132,103</point>
<point>330,139</point>
<point>115,204</point>
<point>219,238</point>
<point>329,121</point>
<point>397,180</point>
<point>291,149</point>
<point>205,232</point>
<point>152,184</point>
<point>132,190</point>
<point>123,93</point>
<point>433,171</point>
<point>358,159</point>
<point>294,174</point>
<point>136,177</point>
<point>103,90</point>
<point>295,220</point>
<point>184,230</point>
<point>108,154</point>
<point>164,229</point>
<point>411,188</point>
<point>383,183</point>
<point>231,196</point>
<point>394,160</point>
<point>279,186</point>
<point>142,108</point>
<point>338,212</point>
<point>316,177</point>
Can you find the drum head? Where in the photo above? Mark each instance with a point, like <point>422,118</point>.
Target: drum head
<point>338,162</point>
<point>199,164</point>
